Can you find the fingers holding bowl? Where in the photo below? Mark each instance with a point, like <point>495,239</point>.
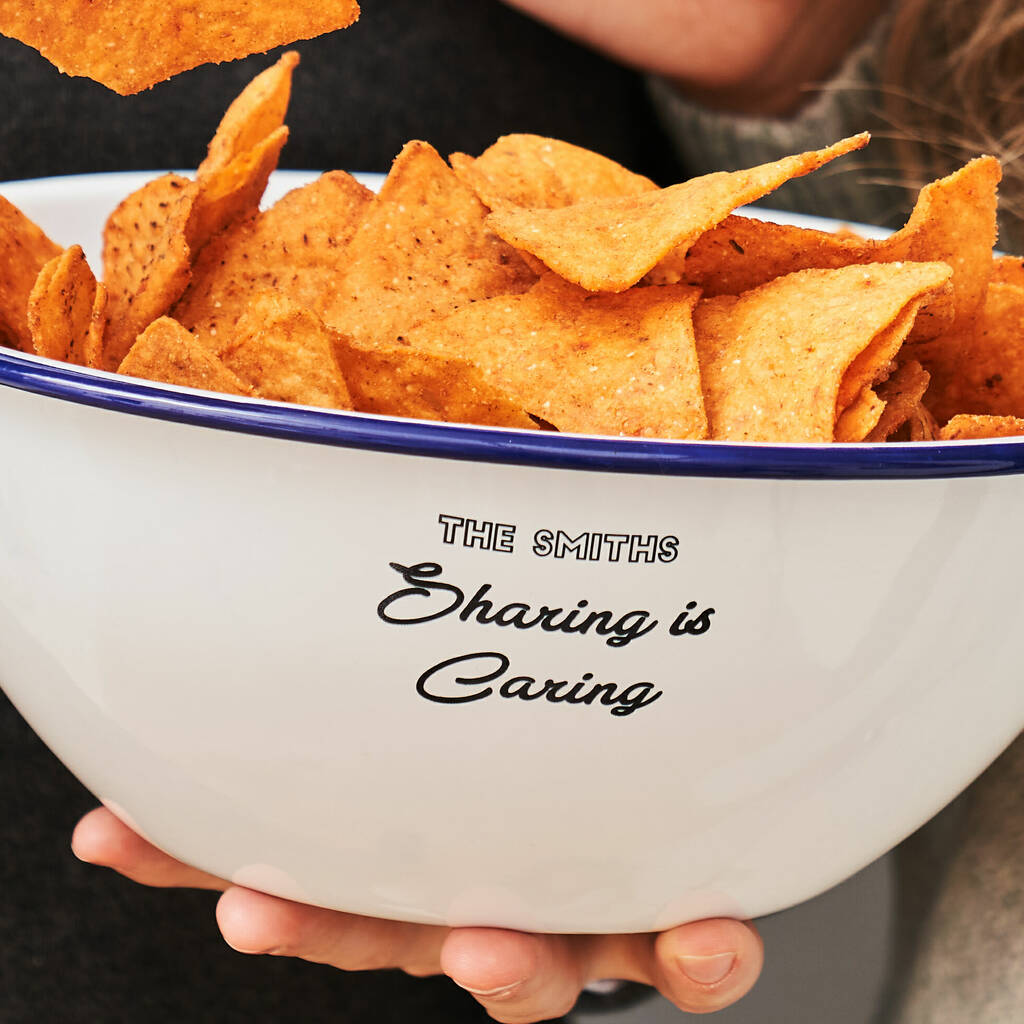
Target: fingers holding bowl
<point>707,965</point>
<point>517,977</point>
<point>103,839</point>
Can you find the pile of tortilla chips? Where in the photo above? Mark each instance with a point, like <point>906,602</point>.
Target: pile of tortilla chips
<point>538,286</point>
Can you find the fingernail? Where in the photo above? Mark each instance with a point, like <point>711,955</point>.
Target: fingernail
<point>252,951</point>
<point>502,992</point>
<point>707,970</point>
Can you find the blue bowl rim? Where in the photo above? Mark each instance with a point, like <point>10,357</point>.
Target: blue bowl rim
<point>519,447</point>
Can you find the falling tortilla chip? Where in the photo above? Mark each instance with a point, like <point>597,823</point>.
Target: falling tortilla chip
<point>902,394</point>
<point>258,111</point>
<point>285,353</point>
<point>167,353</point>
<point>64,308</point>
<point>296,248</point>
<point>534,171</point>
<point>785,361</point>
<point>623,365</point>
<point>402,381</point>
<point>421,251</point>
<point>610,244</point>
<point>130,45</point>
<point>966,427</point>
<point>953,221</point>
<point>24,251</point>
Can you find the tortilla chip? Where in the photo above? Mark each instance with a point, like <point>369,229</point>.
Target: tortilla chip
<point>97,329</point>
<point>990,378</point>
<point>227,194</point>
<point>923,425</point>
<point>623,365</point>
<point>610,244</point>
<point>953,221</point>
<point>130,45</point>
<point>1008,270</point>
<point>783,362</point>
<point>166,352</point>
<point>24,251</point>
<point>902,394</point>
<point>61,309</point>
<point>421,251</point>
<point>402,381</point>
<point>533,171</point>
<point>257,111</point>
<point>146,260</point>
<point>860,417</point>
<point>285,353</point>
<point>296,248</point>
<point>151,238</point>
<point>966,427</point>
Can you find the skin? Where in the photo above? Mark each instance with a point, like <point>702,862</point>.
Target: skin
<point>754,57</point>
<point>516,977</point>
<point>744,56</point>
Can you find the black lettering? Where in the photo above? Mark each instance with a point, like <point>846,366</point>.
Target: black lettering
<point>450,524</point>
<point>636,696</point>
<point>668,549</point>
<point>542,546</point>
<point>701,624</point>
<point>519,686</point>
<point>631,626</point>
<point>564,544</point>
<point>421,576</point>
<point>425,680</point>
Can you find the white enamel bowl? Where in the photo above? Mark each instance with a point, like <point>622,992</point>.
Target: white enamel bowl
<point>202,612</point>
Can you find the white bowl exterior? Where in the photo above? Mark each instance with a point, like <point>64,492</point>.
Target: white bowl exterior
<point>189,617</point>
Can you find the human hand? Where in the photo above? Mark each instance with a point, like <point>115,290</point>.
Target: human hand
<point>516,977</point>
<point>749,56</point>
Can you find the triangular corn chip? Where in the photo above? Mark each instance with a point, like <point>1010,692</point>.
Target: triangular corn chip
<point>624,365</point>
<point>257,111</point>
<point>1008,270</point>
<point>966,427</point>
<point>166,352</point>
<point>296,248</point>
<point>231,193</point>
<point>146,260</point>
<point>610,244</point>
<point>397,380</point>
<point>65,308</point>
<point>130,45</point>
<point>990,376</point>
<point>151,239</point>
<point>785,361</point>
<point>421,251</point>
<point>953,221</point>
<point>902,394</point>
<point>285,353</point>
<point>24,251</point>
<point>534,171</point>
